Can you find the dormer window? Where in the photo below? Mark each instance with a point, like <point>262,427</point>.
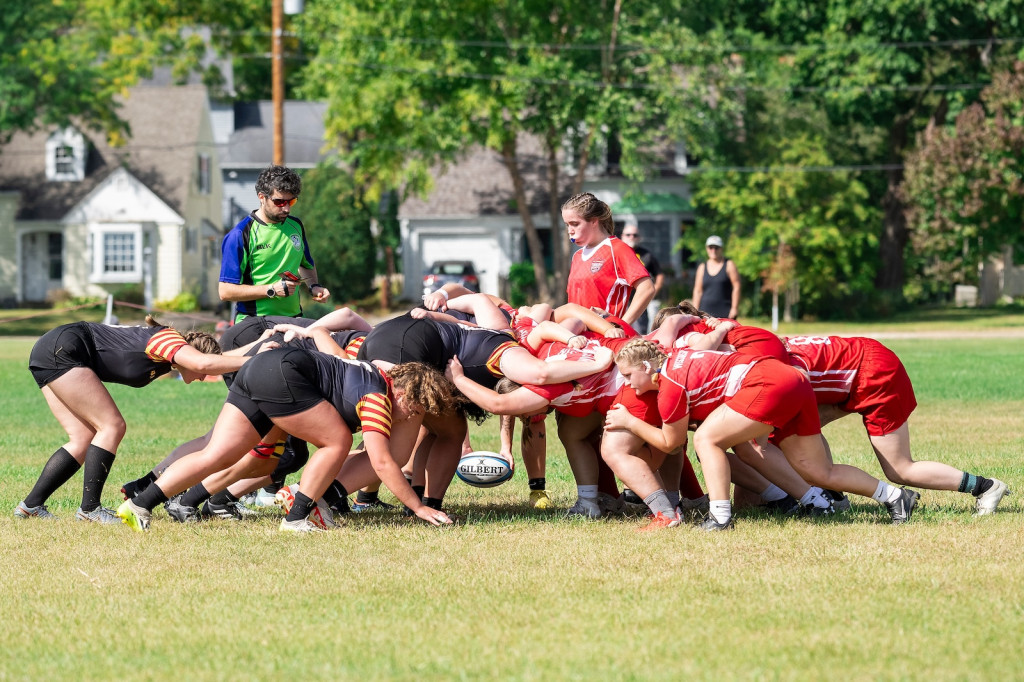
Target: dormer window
<point>65,156</point>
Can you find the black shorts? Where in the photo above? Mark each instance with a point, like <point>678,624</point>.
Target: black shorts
<point>405,339</point>
<point>259,420</point>
<point>280,382</point>
<point>60,350</point>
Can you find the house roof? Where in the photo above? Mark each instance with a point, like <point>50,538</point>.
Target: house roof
<point>479,184</point>
<point>161,152</point>
<point>251,145</point>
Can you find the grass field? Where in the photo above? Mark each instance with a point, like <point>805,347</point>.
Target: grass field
<point>513,593</point>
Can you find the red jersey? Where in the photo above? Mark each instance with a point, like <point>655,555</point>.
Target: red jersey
<point>745,339</point>
<point>522,325</point>
<point>604,276</point>
<point>694,383</point>
<point>859,375</point>
<point>831,362</point>
<point>581,397</point>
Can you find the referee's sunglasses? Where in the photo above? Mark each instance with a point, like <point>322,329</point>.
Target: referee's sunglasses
<point>281,203</point>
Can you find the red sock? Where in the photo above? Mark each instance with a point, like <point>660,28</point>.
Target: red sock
<point>689,486</point>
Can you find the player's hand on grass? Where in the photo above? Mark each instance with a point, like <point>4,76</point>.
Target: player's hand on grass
<point>434,517</point>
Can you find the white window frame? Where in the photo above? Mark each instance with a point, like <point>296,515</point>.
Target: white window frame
<point>74,162</point>
<point>97,235</point>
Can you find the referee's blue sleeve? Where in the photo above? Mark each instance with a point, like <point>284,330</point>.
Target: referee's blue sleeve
<point>232,251</point>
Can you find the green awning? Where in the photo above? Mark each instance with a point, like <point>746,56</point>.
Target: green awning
<point>659,202</point>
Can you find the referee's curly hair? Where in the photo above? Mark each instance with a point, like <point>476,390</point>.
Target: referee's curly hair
<point>279,178</point>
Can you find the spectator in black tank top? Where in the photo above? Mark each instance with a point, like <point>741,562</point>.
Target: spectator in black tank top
<point>716,287</point>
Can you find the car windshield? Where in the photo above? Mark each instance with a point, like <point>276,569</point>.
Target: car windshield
<point>451,268</point>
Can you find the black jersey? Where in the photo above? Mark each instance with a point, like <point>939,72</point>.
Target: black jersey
<point>479,350</point>
<point>358,391</point>
<point>299,376</point>
<point>407,339</point>
<point>250,329</point>
<point>133,356</point>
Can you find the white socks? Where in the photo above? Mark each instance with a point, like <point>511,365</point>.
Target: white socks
<point>772,493</point>
<point>814,497</point>
<point>886,493</point>
<point>721,510</point>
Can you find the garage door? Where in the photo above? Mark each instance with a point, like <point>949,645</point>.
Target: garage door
<point>482,251</point>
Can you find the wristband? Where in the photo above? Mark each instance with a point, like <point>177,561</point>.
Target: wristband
<point>314,285</point>
<point>443,293</point>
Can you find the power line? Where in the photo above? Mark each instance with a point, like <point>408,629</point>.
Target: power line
<point>656,167</point>
<point>602,85</point>
<point>852,46</point>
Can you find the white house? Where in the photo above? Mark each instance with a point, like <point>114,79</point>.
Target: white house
<point>82,216</point>
<point>471,214</point>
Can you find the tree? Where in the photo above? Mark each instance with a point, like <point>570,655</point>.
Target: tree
<point>338,228</point>
<point>888,69</point>
<point>411,85</point>
<point>68,61</point>
<point>880,71</point>
<point>799,231</point>
<point>964,185</point>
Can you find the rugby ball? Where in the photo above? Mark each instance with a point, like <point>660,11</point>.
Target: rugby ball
<point>483,469</point>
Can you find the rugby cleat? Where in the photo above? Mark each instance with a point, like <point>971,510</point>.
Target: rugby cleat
<point>40,512</point>
<point>134,516</point>
<point>98,515</point>
<point>903,507</point>
<point>987,502</point>
<point>661,520</point>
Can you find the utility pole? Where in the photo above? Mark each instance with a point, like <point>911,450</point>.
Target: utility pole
<point>277,77</point>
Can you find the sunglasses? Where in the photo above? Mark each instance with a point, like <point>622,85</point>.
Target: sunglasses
<point>281,203</point>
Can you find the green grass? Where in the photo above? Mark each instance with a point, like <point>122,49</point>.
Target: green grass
<point>925,319</point>
<point>512,593</point>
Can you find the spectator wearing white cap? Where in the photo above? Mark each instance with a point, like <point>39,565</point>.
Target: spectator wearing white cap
<point>716,287</point>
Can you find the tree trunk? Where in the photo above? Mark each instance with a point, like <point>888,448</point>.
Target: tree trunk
<point>894,236</point>
<point>508,152</point>
<point>560,249</point>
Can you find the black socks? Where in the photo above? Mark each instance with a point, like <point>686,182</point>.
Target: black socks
<point>97,467</point>
<point>58,470</point>
<point>301,508</point>
<point>195,496</point>
<point>336,498</point>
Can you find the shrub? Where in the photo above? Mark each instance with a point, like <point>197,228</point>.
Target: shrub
<point>185,302</point>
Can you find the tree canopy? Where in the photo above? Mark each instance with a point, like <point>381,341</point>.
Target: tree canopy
<point>965,184</point>
<point>69,60</point>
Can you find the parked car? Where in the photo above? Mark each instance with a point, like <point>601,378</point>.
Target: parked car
<point>444,271</point>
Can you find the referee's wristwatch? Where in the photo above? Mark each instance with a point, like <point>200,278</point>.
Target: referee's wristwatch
<point>272,291</point>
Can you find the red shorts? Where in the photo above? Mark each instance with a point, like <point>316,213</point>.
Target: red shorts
<point>778,395</point>
<point>882,393</point>
<point>643,407</point>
